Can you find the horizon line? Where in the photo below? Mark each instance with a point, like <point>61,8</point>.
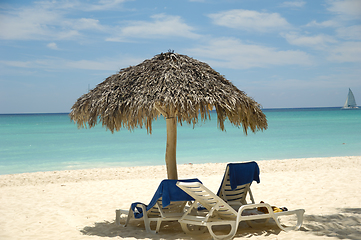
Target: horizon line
<point>275,108</point>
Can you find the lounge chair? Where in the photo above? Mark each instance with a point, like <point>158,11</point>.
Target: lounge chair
<point>236,184</point>
<point>167,204</point>
<point>219,213</point>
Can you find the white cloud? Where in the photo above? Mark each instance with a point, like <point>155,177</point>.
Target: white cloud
<point>104,5</point>
<point>109,64</point>
<point>105,64</point>
<point>232,53</point>
<point>91,65</point>
<point>52,46</point>
<point>161,26</point>
<point>346,52</point>
<point>328,23</point>
<point>100,5</point>
<point>19,64</point>
<point>346,8</point>
<point>47,21</point>
<point>28,24</point>
<point>250,20</point>
<point>351,33</point>
<point>86,23</point>
<point>317,41</point>
<point>294,4</point>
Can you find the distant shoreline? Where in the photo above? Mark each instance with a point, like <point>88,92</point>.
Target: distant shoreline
<point>263,109</point>
<point>271,164</point>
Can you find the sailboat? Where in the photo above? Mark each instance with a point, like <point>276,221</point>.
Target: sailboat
<point>350,101</point>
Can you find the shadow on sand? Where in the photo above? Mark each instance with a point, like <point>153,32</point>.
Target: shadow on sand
<point>344,225</point>
<point>169,230</point>
<point>135,229</point>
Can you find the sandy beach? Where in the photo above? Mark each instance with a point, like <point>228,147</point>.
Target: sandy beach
<point>80,204</point>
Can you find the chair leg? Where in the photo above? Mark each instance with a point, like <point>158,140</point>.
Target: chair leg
<point>117,217</point>
<point>200,230</point>
<point>146,221</point>
<point>252,224</point>
<point>147,226</point>
<point>159,222</point>
<point>119,213</point>
<point>230,235</point>
<point>299,214</point>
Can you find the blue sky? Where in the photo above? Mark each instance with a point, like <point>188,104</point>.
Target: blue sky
<point>282,53</point>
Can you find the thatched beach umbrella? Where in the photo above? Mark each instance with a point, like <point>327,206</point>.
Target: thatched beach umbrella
<point>173,85</point>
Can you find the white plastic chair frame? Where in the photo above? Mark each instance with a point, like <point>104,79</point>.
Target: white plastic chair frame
<point>220,213</point>
<point>173,212</point>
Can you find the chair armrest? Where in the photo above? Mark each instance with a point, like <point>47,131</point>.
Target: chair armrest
<point>252,206</point>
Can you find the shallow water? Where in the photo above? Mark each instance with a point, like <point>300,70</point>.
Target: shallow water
<point>47,142</point>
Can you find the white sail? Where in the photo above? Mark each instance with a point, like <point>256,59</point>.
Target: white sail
<point>350,101</point>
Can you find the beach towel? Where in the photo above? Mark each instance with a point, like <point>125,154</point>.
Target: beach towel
<point>241,173</point>
<point>169,192</point>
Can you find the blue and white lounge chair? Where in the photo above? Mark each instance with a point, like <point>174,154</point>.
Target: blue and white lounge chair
<point>229,206</point>
<point>167,204</point>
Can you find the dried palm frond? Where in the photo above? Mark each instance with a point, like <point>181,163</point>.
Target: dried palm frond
<point>172,84</point>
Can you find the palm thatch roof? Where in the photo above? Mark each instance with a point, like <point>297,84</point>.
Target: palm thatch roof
<point>172,84</point>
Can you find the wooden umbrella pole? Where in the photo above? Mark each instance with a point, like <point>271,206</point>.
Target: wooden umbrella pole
<point>171,149</point>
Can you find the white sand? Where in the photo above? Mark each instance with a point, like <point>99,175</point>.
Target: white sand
<point>81,204</point>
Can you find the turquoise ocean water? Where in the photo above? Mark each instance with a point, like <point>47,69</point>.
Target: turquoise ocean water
<point>49,142</point>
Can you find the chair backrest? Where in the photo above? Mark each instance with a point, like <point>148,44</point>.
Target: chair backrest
<point>236,189</point>
<point>208,199</point>
<point>168,198</point>
<point>173,207</point>
<point>238,194</point>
